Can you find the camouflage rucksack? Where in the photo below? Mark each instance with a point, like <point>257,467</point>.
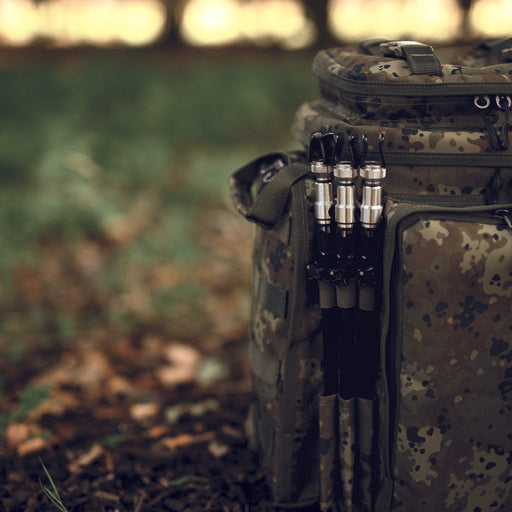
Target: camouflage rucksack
<point>407,178</point>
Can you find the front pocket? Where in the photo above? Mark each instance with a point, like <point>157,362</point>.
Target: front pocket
<point>451,363</point>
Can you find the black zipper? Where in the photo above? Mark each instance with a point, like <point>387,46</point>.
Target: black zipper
<point>437,159</point>
<point>430,159</point>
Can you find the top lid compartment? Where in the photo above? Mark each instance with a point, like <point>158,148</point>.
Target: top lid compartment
<point>409,68</point>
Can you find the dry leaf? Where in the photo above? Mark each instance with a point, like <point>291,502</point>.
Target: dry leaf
<point>17,433</point>
<point>108,496</point>
<point>184,364</point>
<point>218,449</point>
<point>182,355</point>
<point>182,440</point>
<point>172,375</point>
<point>174,413</point>
<point>143,412</point>
<point>56,404</point>
<point>119,385</point>
<point>211,370</point>
<point>95,452</point>
<point>158,431</point>
<point>36,444</point>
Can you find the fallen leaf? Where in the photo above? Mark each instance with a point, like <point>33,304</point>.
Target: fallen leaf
<point>95,452</point>
<point>143,412</point>
<point>182,355</point>
<point>218,449</point>
<point>108,496</point>
<point>119,385</point>
<point>210,370</point>
<point>30,446</point>
<point>172,375</point>
<point>182,440</point>
<point>158,431</point>
<point>17,433</point>
<point>184,361</point>
<point>232,432</point>
<point>174,413</point>
<point>57,404</point>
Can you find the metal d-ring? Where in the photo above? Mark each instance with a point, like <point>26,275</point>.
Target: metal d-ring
<point>508,100</point>
<point>483,102</point>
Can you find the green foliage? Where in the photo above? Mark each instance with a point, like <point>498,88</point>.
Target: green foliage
<point>80,143</point>
<point>30,398</point>
<point>132,138</point>
<point>52,493</point>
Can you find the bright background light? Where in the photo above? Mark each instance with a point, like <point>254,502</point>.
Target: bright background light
<point>283,22</point>
<point>72,22</point>
<point>222,22</point>
<point>419,19</point>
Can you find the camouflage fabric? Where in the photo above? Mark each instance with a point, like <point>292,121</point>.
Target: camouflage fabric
<point>438,434</point>
<point>366,468</point>
<point>347,449</point>
<point>329,461</point>
<point>354,66</point>
<point>454,422</point>
<point>410,133</point>
<point>286,357</point>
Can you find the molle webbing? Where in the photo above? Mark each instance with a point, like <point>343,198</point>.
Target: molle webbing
<point>272,297</point>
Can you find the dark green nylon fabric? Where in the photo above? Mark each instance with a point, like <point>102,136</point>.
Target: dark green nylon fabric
<point>266,209</point>
<point>269,205</point>
<point>436,434</point>
<point>422,59</point>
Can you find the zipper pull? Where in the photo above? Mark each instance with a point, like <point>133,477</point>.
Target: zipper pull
<point>504,103</point>
<point>505,215</point>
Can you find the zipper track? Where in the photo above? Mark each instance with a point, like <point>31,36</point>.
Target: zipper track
<point>395,157</point>
<point>439,200</point>
<point>404,89</point>
<point>432,159</point>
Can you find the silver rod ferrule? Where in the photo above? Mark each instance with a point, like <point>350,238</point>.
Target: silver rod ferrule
<point>345,207</point>
<point>321,171</point>
<point>372,172</point>
<point>324,201</point>
<point>345,172</point>
<point>371,201</point>
<point>371,206</point>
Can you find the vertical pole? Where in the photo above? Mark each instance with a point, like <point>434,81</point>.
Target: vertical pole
<point>320,154</point>
<point>344,273</point>
<point>371,207</point>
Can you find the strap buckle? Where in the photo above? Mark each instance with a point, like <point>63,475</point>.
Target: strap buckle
<point>396,48</point>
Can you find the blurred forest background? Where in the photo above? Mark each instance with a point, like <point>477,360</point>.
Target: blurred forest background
<point>124,270</point>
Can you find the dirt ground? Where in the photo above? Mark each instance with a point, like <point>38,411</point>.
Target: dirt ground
<point>134,419</point>
<point>139,415</point>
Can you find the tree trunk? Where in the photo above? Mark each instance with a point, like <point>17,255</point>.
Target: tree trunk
<point>318,12</point>
<point>172,34</point>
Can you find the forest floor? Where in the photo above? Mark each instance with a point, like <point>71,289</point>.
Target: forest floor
<point>130,421</point>
<point>124,276</point>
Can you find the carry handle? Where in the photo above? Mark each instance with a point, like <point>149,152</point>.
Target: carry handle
<point>421,57</point>
<point>268,206</point>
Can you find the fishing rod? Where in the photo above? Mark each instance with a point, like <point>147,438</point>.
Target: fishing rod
<point>320,155</point>
<point>345,269</point>
<point>372,174</point>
